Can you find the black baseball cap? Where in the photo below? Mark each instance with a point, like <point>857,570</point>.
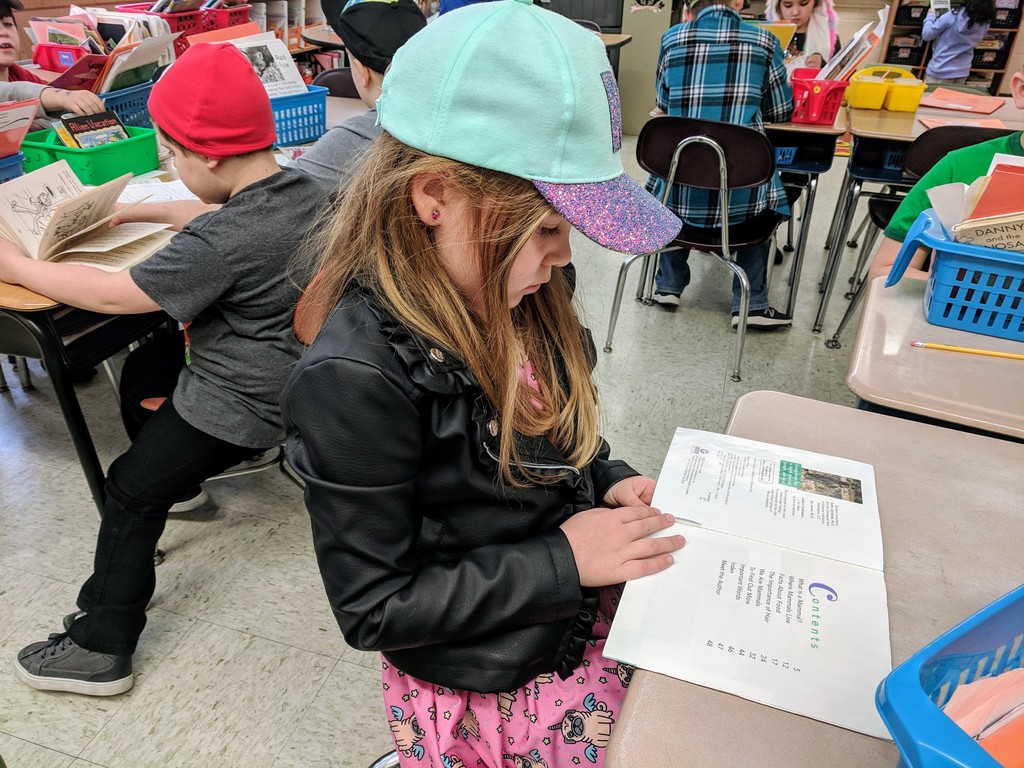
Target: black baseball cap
<point>372,30</point>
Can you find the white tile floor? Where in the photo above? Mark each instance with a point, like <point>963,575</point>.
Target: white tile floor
<point>242,663</point>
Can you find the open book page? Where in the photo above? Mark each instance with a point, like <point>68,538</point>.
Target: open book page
<point>819,504</point>
<point>156,192</point>
<point>273,63</point>
<point>104,239</point>
<point>29,203</point>
<point>786,629</point>
<point>117,258</point>
<point>71,220</point>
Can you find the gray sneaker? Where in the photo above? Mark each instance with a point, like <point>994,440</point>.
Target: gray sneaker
<point>60,665</point>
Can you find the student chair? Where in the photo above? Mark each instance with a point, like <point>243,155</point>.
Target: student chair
<point>924,152</point>
<point>909,699</point>
<point>338,82</point>
<point>593,26</point>
<point>705,154</point>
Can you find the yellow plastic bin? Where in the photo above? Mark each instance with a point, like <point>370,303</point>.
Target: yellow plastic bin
<point>904,95</point>
<point>869,86</point>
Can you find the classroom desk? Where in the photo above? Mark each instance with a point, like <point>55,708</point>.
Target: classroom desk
<point>28,328</point>
<point>340,109</point>
<point>322,36</point>
<point>815,147</point>
<point>952,513</point>
<point>980,392</point>
<point>879,133</point>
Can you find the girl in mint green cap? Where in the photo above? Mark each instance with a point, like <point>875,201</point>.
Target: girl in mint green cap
<point>468,520</point>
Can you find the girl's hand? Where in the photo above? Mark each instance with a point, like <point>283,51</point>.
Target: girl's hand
<point>631,492</point>
<point>611,545</point>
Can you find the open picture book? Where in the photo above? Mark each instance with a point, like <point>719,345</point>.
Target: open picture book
<point>52,216</point>
<point>778,595</point>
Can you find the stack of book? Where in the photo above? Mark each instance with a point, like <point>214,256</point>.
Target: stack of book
<point>988,212</point>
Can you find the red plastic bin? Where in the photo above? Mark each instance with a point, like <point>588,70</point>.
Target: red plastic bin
<point>56,57</point>
<point>187,22</point>
<point>816,101</point>
<point>220,18</point>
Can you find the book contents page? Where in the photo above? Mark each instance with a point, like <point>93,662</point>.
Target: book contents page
<point>805,634</point>
<point>797,499</point>
<point>778,595</point>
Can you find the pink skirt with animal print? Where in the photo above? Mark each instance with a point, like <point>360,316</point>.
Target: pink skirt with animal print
<point>548,723</point>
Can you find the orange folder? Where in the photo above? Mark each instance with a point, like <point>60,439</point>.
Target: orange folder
<point>226,33</point>
<point>947,98</point>
<point>1003,194</point>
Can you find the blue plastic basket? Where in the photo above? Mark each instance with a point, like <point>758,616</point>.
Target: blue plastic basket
<point>908,699</point>
<point>971,287</point>
<point>300,118</point>
<point>130,104</point>
<point>11,167</point>
<point>785,155</point>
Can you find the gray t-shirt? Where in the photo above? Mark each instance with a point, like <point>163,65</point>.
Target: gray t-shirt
<point>335,157</point>
<point>228,277</point>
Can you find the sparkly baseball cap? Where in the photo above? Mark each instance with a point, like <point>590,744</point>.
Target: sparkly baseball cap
<point>512,87</point>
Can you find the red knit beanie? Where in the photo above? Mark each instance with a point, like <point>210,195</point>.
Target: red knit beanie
<point>211,101</point>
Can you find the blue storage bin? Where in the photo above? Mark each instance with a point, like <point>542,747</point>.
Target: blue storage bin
<point>785,155</point>
<point>11,167</point>
<point>302,117</point>
<point>131,104</point>
<point>971,287</point>
<point>909,698</point>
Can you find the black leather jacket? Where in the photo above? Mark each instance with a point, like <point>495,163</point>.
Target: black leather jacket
<point>424,555</point>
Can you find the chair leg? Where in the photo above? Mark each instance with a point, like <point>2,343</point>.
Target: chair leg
<point>844,190</point>
<point>646,271</point>
<point>25,376</point>
<point>852,242</point>
<point>741,327</point>
<point>835,254</point>
<point>617,300</point>
<point>833,343</point>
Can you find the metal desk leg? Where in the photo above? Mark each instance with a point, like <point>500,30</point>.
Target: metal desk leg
<point>840,203</point>
<point>836,253</point>
<point>801,244</point>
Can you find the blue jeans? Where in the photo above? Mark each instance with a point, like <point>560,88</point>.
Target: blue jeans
<point>167,459</point>
<point>674,274</point>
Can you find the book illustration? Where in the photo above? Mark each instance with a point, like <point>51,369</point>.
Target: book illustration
<point>263,62</point>
<point>778,595</point>
<point>50,214</point>
<point>274,64</point>
<point>94,130</point>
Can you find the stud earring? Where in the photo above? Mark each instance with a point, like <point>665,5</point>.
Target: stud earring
<point>435,214</point>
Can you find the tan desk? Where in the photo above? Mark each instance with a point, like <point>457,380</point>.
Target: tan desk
<point>952,511</point>
<point>985,393</point>
<point>340,109</point>
<point>322,36</point>
<point>904,126</point>
<point>614,40</point>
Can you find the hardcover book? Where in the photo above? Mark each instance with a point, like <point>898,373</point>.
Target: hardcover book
<point>93,130</point>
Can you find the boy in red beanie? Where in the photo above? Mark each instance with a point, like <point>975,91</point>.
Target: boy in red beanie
<point>225,277</point>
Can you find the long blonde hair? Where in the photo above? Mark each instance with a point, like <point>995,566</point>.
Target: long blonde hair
<point>376,238</point>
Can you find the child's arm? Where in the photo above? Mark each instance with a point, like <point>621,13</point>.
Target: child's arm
<point>177,213</point>
<point>78,102</point>
<point>886,255</point>
<point>74,284</point>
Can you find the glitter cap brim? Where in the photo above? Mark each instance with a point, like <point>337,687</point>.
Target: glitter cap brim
<point>618,214</point>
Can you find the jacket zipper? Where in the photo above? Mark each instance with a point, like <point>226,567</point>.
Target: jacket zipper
<point>530,465</point>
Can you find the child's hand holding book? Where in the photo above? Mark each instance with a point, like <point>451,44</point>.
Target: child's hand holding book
<point>78,102</point>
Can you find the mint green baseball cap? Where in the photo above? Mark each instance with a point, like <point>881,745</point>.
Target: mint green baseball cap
<point>515,88</point>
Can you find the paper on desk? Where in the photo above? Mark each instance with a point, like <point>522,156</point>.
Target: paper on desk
<point>156,192</point>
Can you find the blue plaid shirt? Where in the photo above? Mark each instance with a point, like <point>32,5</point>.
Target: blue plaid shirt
<point>717,67</point>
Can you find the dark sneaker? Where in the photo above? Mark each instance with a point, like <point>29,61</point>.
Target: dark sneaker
<point>61,665</point>
<point>769,317</point>
<point>778,256</point>
<point>193,500</point>
<point>71,618</point>
<point>668,300</point>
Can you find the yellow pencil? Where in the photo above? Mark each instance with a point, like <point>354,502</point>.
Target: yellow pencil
<point>968,350</point>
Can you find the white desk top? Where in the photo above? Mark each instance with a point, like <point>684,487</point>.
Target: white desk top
<point>976,391</point>
<point>952,510</point>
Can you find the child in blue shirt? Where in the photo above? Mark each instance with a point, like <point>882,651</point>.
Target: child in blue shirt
<point>954,36</point>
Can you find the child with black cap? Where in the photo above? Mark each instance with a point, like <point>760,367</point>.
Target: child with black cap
<point>372,31</point>
<point>224,277</point>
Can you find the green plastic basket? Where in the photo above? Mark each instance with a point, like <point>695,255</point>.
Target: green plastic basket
<point>96,165</point>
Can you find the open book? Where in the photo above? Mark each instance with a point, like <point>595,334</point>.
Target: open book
<point>51,216</point>
<point>778,595</point>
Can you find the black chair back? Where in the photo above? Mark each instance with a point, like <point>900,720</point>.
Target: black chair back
<point>750,157</point>
<point>338,82</point>
<point>935,143</point>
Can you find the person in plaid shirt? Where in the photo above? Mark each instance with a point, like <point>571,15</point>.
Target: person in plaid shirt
<point>715,66</point>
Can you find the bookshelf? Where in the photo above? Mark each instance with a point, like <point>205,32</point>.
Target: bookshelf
<point>902,44</point>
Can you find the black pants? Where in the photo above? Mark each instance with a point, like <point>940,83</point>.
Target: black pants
<point>167,458</point>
